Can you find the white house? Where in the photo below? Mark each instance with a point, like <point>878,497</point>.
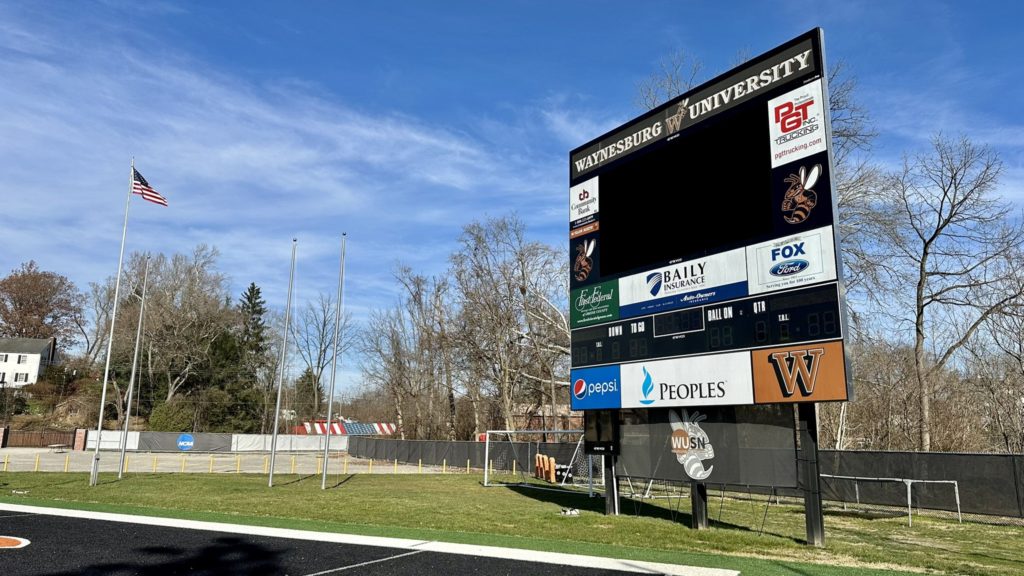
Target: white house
<point>23,360</point>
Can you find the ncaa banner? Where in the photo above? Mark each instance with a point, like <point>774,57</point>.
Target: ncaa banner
<point>595,388</point>
<point>693,283</point>
<point>792,261</point>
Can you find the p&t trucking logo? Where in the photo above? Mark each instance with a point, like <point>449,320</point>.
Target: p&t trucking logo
<point>690,443</point>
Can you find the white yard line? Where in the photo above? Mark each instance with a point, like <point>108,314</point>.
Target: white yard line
<point>636,566</point>
<point>361,564</point>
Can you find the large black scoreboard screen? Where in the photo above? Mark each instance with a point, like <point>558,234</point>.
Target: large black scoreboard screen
<point>703,259</point>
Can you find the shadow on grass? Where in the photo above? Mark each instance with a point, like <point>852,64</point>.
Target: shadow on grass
<point>677,511</point>
<point>298,480</point>
<point>342,481</point>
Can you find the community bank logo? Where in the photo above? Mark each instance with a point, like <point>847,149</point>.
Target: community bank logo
<point>690,443</point>
<point>797,369</point>
<point>186,442</point>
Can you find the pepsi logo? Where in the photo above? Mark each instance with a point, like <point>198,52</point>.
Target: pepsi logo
<point>579,389</point>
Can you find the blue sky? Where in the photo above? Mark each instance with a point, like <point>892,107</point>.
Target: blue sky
<point>400,122</point>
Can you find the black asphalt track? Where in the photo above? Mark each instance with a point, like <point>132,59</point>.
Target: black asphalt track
<point>81,547</point>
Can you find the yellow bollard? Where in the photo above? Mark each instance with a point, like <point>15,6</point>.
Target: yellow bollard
<point>421,466</point>
<point>293,464</point>
<point>444,465</point>
<point>238,464</point>
<point>182,463</point>
<point>266,464</point>
<point>513,467</point>
<point>371,466</point>
<point>67,462</point>
<point>211,463</point>
<point>396,466</point>
<point>318,465</point>
<point>37,463</point>
<point>345,467</point>
<point>492,467</point>
<point>6,456</point>
<point>154,464</point>
<point>467,465</point>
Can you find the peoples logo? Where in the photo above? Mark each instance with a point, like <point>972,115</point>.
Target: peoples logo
<point>186,442</point>
<point>654,283</point>
<point>789,267</point>
<point>690,443</point>
<point>647,388</point>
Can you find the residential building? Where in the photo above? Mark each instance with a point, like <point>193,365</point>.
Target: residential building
<point>24,360</point>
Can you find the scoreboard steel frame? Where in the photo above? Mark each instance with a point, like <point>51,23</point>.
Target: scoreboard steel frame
<point>704,259</point>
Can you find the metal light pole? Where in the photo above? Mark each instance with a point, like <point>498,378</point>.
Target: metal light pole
<point>334,362</point>
<point>135,363</point>
<point>280,377</point>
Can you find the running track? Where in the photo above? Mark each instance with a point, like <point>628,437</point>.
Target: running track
<point>77,543</point>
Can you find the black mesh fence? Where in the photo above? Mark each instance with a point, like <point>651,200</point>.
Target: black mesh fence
<point>988,484</point>
<point>457,454</point>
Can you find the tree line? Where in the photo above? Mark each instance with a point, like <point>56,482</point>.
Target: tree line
<point>933,269</point>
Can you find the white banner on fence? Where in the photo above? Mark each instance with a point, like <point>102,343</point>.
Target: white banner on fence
<point>285,443</point>
<point>111,440</point>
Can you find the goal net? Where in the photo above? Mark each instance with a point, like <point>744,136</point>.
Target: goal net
<point>552,459</point>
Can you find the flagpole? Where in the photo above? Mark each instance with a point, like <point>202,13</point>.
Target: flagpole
<point>94,473</point>
<point>280,378</point>
<point>334,361</point>
<point>135,363</point>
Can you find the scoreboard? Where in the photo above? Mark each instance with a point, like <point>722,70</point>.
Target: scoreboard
<point>704,268</point>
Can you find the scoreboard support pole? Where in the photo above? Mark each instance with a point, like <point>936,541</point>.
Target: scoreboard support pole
<point>611,487</point>
<point>698,505</point>
<point>810,479</point>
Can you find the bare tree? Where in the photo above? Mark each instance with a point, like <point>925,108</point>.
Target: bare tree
<point>677,72</point>
<point>997,360</point>
<point>188,308</point>
<point>94,324</point>
<point>956,248</point>
<point>313,333</point>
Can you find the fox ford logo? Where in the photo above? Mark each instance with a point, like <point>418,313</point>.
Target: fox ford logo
<point>789,267</point>
<point>186,442</point>
<point>788,251</point>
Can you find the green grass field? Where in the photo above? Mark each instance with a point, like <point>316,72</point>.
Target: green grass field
<point>457,508</point>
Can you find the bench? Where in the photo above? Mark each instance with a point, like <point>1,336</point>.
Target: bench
<point>57,448</point>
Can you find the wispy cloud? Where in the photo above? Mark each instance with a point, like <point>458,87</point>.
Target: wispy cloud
<point>245,165</point>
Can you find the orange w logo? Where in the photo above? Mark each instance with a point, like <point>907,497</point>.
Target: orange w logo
<point>797,368</point>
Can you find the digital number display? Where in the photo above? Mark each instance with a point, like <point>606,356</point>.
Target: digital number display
<point>804,315</point>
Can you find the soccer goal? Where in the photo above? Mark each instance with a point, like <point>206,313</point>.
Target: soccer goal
<point>546,459</point>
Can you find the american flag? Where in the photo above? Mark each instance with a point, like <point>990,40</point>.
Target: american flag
<point>142,188</point>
